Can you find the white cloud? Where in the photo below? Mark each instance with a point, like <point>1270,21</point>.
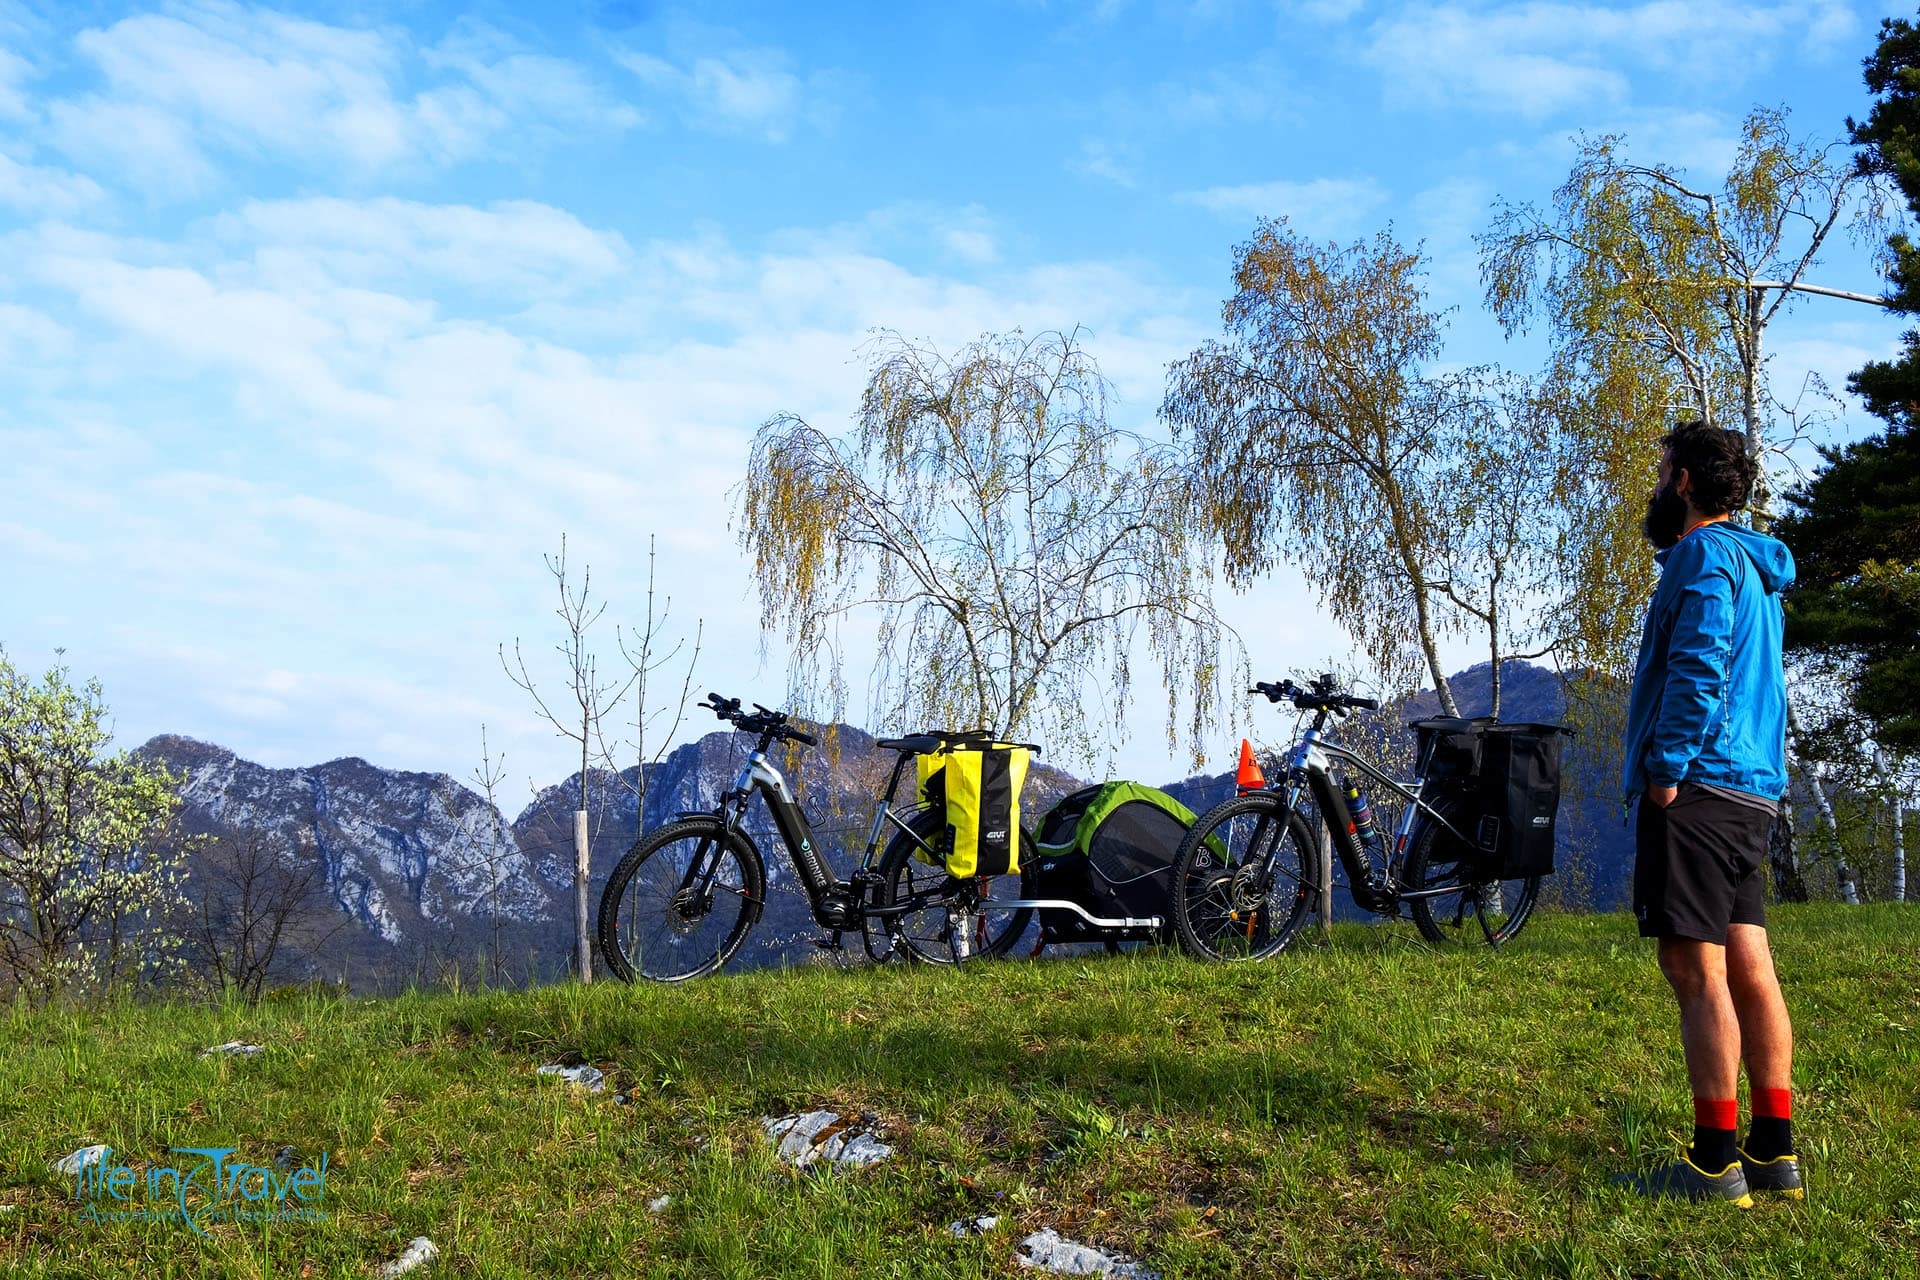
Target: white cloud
<point>13,98</point>
<point>970,245</point>
<point>1323,11</point>
<point>216,76</point>
<point>1321,208</point>
<point>1539,57</point>
<point>1099,158</point>
<point>1251,93</point>
<point>517,247</point>
<point>32,337</point>
<point>747,91</point>
<point>37,189</point>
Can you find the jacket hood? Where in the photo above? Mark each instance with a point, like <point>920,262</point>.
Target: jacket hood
<point>1769,556</point>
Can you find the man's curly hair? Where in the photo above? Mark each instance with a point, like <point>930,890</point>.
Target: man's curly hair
<point>1717,464</point>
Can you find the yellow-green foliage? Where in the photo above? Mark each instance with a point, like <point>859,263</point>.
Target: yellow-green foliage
<point>1003,537</point>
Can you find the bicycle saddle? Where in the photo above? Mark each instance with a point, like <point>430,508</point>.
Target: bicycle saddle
<point>919,744</point>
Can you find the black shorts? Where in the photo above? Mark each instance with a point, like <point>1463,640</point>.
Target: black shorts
<point>1696,866</point>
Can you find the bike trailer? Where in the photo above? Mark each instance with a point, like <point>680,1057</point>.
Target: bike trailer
<point>1501,786</point>
<point>977,782</point>
<point>1109,848</point>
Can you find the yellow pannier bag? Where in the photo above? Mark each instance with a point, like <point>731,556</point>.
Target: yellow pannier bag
<point>977,782</point>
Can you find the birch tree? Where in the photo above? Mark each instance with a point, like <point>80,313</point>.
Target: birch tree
<point>1656,293</point>
<point>591,697</point>
<point>1007,544</point>
<point>1320,431</point>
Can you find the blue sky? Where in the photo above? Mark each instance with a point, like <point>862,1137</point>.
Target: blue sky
<point>318,325</point>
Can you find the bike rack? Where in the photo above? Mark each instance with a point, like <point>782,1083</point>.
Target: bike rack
<point>1063,904</point>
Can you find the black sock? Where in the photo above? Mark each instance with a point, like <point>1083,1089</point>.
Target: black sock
<point>1712,1149</point>
<point>1770,1138</point>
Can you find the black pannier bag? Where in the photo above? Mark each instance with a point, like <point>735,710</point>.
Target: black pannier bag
<point>1500,786</point>
<point>1520,797</point>
<point>1109,848</point>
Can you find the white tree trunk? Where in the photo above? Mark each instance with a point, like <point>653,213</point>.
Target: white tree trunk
<point>1760,511</point>
<point>1326,883</point>
<point>1898,804</point>
<point>1899,850</point>
<point>1810,770</point>
<point>583,945</point>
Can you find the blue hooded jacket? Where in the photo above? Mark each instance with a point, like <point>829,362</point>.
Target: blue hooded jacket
<point>1709,700</point>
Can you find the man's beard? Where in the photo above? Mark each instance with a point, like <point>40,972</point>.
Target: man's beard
<point>1666,517</point>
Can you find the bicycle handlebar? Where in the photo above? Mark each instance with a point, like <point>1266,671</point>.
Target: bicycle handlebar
<point>761,719</point>
<point>1318,695</point>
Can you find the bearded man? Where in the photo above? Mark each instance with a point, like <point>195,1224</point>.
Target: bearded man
<point>1706,760</point>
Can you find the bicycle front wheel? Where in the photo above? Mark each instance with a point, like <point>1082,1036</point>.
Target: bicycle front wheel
<point>680,903</point>
<point>1465,903</point>
<point>947,918</point>
<point>1243,879</point>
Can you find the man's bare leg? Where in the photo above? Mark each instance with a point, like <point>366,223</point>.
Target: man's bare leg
<point>1710,1037</point>
<point>1766,1045</point>
<point>1766,1034</point>
<point>1709,1024</point>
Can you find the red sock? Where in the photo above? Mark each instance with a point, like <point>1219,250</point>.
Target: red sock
<point>1773,1104</point>
<point>1718,1113</point>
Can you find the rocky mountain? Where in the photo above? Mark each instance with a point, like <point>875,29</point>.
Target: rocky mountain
<point>415,861</point>
<point>431,879</point>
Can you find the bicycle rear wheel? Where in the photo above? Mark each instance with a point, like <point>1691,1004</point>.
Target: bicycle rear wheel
<point>948,910</point>
<point>1243,879</point>
<point>680,903</point>
<point>1473,906</point>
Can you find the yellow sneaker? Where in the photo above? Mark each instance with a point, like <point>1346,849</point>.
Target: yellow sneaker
<point>1684,1180</point>
<point>1779,1176</point>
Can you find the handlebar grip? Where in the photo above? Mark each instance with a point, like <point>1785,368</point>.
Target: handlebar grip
<point>806,739</point>
<point>1368,704</point>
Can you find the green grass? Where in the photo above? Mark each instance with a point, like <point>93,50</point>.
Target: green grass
<point>1372,1108</point>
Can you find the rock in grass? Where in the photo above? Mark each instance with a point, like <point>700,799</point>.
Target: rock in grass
<point>233,1049</point>
<point>1048,1250</point>
<point>69,1165</point>
<point>418,1253</point>
<point>821,1137</point>
<point>592,1079</point>
<point>973,1226</point>
<point>659,1204</point>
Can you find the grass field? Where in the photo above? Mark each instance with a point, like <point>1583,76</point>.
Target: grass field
<point>1365,1108</point>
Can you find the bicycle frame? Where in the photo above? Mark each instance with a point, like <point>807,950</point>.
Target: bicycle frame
<point>834,901</point>
<point>1308,769</point>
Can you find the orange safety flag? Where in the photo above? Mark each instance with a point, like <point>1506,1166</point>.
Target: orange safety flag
<point>1250,778</point>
